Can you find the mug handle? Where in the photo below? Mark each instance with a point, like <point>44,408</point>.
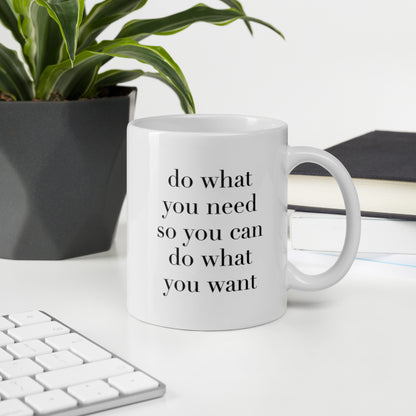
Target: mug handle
<point>299,280</point>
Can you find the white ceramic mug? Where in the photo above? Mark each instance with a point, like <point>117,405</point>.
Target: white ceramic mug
<point>207,223</point>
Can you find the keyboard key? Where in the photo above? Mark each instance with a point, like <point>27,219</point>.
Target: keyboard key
<point>14,407</point>
<point>58,360</point>
<point>5,339</point>
<point>37,331</point>
<point>5,356</point>
<point>28,349</point>
<point>96,391</point>
<point>133,382</point>
<point>89,352</point>
<point>19,387</point>
<point>51,401</point>
<point>64,342</point>
<point>29,318</point>
<point>19,368</point>
<point>5,324</point>
<point>83,373</point>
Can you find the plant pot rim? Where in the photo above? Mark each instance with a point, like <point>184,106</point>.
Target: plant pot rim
<point>118,93</point>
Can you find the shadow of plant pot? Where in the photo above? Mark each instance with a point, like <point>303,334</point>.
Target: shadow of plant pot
<point>62,175</point>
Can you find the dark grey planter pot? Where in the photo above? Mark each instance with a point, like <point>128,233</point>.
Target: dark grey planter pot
<point>62,175</point>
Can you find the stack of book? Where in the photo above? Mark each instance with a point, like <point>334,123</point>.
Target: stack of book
<point>383,167</point>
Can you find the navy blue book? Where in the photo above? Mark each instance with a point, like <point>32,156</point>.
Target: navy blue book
<point>383,167</point>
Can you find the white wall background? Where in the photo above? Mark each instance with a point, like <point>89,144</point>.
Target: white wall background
<point>345,68</point>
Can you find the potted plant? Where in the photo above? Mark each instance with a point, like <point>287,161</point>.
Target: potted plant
<point>63,119</point>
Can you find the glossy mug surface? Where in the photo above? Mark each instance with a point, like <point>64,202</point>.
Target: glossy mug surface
<point>207,223</point>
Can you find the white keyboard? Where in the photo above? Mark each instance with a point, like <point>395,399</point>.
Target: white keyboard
<point>47,368</point>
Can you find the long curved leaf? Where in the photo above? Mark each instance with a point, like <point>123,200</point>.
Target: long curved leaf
<point>234,4</point>
<point>182,100</point>
<point>263,23</point>
<point>9,20</point>
<point>159,59</point>
<point>117,76</point>
<point>67,82</point>
<point>70,80</point>
<point>140,29</point>
<point>68,15</point>
<point>7,86</point>
<point>14,80</point>
<point>102,15</point>
<point>43,40</point>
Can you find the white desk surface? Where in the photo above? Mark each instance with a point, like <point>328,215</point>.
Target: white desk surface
<point>348,350</point>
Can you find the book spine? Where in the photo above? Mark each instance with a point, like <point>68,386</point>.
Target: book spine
<point>326,232</point>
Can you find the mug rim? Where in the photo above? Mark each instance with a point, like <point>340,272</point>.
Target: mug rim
<point>174,124</point>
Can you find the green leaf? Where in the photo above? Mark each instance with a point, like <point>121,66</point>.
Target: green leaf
<point>102,15</point>
<point>159,59</point>
<point>68,15</point>
<point>234,4</point>
<point>72,83</point>
<point>70,80</point>
<point>7,86</point>
<point>14,80</point>
<point>9,20</point>
<point>43,40</point>
<point>263,23</point>
<point>117,76</point>
<point>182,99</point>
<point>140,29</point>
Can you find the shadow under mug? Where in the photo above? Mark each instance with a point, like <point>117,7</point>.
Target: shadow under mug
<point>207,221</point>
